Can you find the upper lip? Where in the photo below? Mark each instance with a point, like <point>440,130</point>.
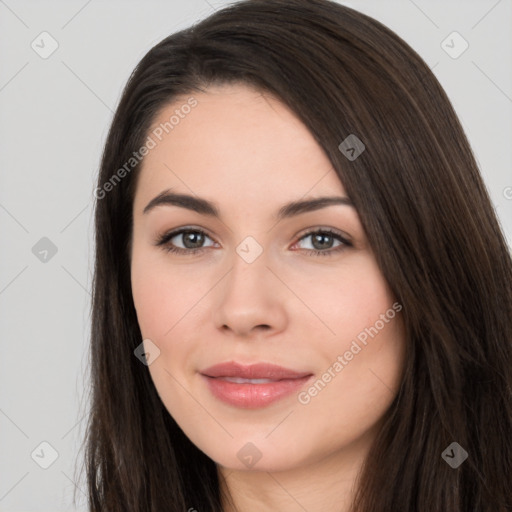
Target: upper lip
<point>253,371</point>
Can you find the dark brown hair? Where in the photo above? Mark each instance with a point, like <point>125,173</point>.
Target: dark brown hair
<point>428,218</point>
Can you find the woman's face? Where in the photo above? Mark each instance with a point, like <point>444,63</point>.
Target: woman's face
<point>298,288</point>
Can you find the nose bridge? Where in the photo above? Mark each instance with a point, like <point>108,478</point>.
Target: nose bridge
<point>249,250</point>
<point>250,295</point>
<point>248,270</point>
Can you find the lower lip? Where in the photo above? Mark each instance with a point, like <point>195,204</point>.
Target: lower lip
<point>253,396</point>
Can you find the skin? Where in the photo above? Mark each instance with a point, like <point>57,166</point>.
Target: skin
<point>249,154</point>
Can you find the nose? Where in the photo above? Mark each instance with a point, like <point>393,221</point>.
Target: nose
<point>250,300</point>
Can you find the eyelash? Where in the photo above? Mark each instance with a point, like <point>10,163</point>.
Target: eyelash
<point>164,239</point>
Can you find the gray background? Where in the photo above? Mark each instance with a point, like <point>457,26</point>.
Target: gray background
<point>54,116</point>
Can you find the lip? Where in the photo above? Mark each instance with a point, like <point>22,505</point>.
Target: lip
<point>281,382</point>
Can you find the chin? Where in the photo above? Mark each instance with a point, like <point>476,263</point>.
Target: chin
<point>254,455</point>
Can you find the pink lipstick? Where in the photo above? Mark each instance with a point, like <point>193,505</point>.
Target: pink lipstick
<point>252,386</point>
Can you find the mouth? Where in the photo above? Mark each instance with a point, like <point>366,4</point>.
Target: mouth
<point>252,386</point>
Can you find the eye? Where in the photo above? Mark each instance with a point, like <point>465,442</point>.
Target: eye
<point>191,241</point>
<point>322,242</point>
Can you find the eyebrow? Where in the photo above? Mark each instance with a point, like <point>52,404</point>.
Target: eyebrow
<point>204,207</point>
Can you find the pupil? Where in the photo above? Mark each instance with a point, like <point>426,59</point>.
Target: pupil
<point>321,238</point>
<point>199,239</point>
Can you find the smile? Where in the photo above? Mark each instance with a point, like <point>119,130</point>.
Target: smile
<point>253,386</point>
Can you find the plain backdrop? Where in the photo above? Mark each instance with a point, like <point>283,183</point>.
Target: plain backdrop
<point>55,111</point>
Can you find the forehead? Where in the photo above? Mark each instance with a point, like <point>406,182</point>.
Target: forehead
<point>236,145</point>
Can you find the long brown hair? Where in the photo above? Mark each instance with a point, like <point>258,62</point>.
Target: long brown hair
<point>427,216</point>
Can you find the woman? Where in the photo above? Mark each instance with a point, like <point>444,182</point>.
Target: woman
<point>235,369</point>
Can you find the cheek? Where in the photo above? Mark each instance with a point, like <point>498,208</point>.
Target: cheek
<point>349,300</point>
<point>357,386</point>
<point>366,354</point>
<point>167,303</point>
<point>365,292</point>
<point>163,295</point>
<point>151,304</point>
